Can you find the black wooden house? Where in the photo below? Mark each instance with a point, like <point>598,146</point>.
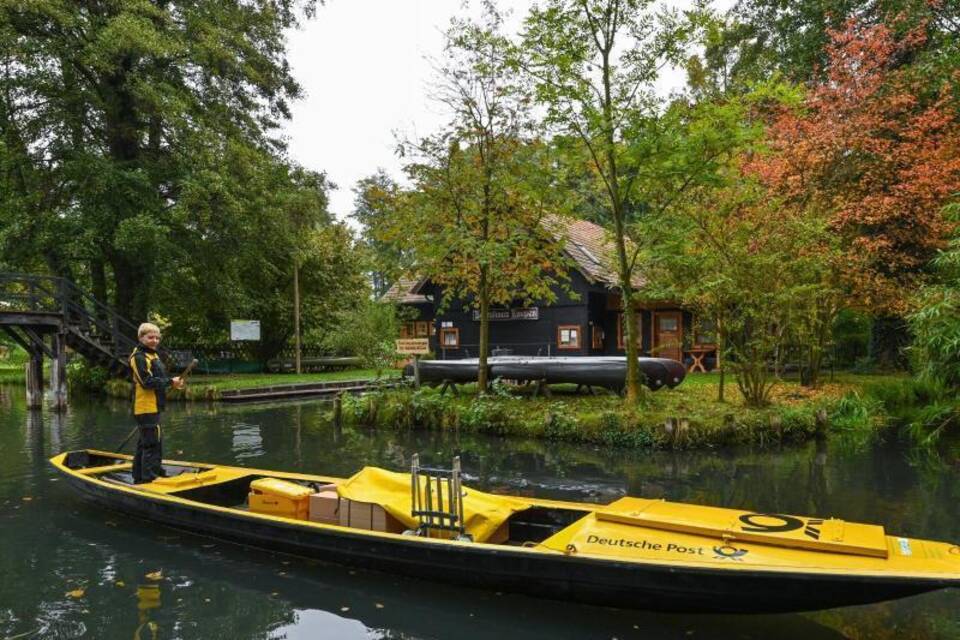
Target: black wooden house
<point>587,324</point>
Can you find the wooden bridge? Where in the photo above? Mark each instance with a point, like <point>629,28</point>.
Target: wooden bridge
<point>45,315</point>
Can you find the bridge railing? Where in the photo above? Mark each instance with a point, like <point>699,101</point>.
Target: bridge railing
<point>30,293</point>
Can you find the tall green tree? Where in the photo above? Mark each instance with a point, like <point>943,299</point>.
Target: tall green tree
<point>376,199</point>
<point>476,216</point>
<point>241,227</point>
<point>109,108</point>
<point>594,63</point>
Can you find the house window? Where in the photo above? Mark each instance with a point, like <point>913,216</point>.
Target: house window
<point>568,336</point>
<point>596,337</point>
<point>668,323</point>
<point>705,333</point>
<point>419,329</point>
<point>450,338</point>
<point>638,334</point>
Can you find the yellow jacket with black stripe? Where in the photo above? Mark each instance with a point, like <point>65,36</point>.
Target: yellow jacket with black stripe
<point>150,381</point>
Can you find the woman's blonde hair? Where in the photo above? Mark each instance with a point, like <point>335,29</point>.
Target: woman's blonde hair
<point>145,328</point>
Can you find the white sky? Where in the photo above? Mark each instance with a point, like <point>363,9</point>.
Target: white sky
<point>364,66</point>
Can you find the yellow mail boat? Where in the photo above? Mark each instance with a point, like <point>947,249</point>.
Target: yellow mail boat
<point>631,553</point>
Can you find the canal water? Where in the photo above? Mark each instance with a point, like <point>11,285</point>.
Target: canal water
<point>72,570</point>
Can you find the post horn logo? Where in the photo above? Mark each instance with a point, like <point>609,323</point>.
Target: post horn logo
<point>729,552</point>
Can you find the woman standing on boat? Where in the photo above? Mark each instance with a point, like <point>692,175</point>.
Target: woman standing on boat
<point>150,383</point>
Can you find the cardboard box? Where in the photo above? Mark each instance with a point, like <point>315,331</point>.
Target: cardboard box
<point>280,498</point>
<point>325,507</point>
<point>368,515</point>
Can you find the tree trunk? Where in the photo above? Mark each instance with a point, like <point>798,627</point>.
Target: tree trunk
<point>482,381</point>
<point>632,383</point>
<point>720,344</point>
<point>131,290</point>
<point>122,127</point>
<point>889,338</point>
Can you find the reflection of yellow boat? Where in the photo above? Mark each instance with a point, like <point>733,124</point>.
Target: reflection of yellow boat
<point>631,553</point>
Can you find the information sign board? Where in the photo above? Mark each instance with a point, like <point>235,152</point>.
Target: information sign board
<point>413,346</point>
<point>245,330</point>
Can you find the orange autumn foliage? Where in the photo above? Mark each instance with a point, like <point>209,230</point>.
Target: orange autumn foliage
<point>875,150</point>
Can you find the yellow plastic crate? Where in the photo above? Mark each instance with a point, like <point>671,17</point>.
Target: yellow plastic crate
<point>280,498</point>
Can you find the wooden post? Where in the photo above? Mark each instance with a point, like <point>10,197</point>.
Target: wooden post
<point>34,371</point>
<point>822,422</point>
<point>416,371</point>
<point>542,387</point>
<point>776,425</point>
<point>338,412</point>
<point>58,372</point>
<point>683,431</point>
<point>668,430</point>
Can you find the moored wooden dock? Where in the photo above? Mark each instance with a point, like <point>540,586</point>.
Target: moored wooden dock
<point>302,390</point>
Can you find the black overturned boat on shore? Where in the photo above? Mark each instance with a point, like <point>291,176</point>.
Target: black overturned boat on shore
<point>631,553</point>
<point>609,372</point>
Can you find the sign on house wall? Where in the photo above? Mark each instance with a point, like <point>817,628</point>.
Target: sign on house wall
<point>525,313</point>
<point>245,330</point>
<point>413,346</point>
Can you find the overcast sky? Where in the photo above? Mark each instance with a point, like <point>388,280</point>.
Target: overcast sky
<point>364,66</point>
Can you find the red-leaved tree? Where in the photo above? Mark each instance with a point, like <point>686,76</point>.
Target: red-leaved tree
<point>875,151</point>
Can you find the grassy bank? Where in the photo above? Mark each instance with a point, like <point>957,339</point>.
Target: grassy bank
<point>209,387</point>
<point>686,417</point>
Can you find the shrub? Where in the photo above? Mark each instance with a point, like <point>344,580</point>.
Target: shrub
<point>856,412</point>
<point>87,378</point>
<point>486,414</point>
<point>560,424</point>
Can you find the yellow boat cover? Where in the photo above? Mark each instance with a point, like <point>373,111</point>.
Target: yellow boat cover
<point>593,536</point>
<point>483,513</point>
<point>816,534</point>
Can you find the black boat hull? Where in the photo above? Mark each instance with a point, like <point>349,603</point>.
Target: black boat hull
<point>606,372</point>
<point>616,584</point>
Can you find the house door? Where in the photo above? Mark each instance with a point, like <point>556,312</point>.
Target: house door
<point>667,335</point>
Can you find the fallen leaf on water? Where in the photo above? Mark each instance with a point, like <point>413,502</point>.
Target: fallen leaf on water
<point>120,583</point>
<point>76,593</point>
<point>378,606</point>
<point>155,575</point>
<point>27,498</point>
<point>110,523</point>
<point>206,599</point>
<point>344,608</point>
